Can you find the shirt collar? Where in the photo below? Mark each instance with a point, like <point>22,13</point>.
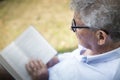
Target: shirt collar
<point>108,56</point>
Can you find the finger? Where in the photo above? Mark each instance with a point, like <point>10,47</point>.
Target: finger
<point>36,64</point>
<point>41,63</point>
<point>28,68</point>
<point>32,65</point>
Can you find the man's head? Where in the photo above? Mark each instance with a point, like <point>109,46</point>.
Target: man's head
<point>102,17</point>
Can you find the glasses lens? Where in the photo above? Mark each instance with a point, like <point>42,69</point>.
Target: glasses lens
<point>73,26</point>
<point>73,29</point>
<point>73,22</point>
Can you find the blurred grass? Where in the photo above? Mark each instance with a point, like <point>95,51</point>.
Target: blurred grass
<point>52,18</point>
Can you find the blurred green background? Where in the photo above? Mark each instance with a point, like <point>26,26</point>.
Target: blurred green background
<point>52,18</point>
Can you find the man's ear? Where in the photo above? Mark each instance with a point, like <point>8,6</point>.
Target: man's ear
<point>101,37</point>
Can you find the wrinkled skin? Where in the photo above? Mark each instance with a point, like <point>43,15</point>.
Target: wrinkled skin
<point>38,70</point>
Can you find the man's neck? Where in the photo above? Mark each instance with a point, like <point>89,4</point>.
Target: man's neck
<point>102,49</point>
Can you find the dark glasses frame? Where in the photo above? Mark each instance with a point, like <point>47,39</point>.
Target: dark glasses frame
<point>74,27</point>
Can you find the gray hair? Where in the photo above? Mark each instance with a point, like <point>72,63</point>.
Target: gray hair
<point>100,14</point>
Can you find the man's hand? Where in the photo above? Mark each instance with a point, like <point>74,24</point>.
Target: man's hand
<point>37,69</point>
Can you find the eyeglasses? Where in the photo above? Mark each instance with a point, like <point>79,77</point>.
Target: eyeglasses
<point>74,27</point>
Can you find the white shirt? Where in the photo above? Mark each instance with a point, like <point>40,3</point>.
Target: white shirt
<point>73,66</point>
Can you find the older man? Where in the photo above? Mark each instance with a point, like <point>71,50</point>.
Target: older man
<point>96,24</point>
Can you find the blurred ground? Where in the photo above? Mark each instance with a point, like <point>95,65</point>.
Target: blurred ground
<point>52,18</point>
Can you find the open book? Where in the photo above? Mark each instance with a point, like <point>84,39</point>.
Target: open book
<point>29,45</point>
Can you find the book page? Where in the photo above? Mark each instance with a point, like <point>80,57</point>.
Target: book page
<point>34,45</point>
<point>29,45</point>
<point>13,60</point>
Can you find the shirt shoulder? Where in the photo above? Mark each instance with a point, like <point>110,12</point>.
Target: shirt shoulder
<point>68,55</point>
<point>74,70</point>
